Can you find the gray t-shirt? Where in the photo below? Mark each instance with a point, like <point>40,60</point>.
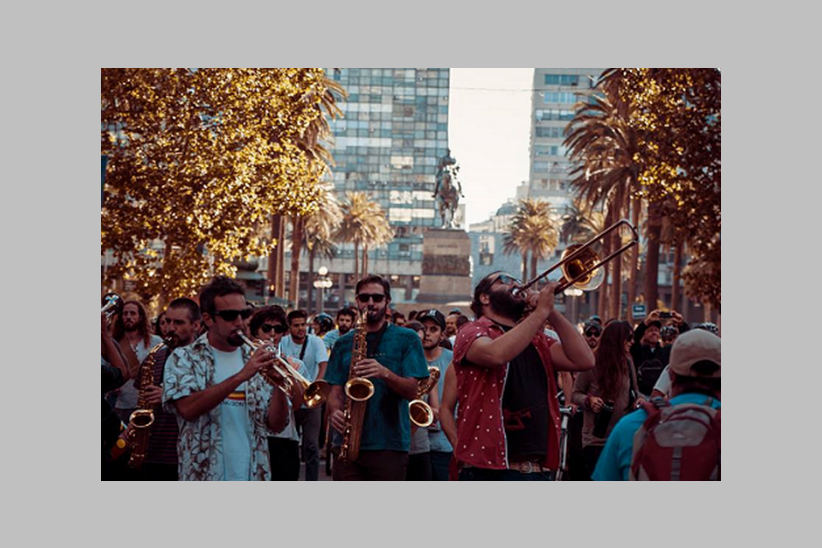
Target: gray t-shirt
<point>129,392</point>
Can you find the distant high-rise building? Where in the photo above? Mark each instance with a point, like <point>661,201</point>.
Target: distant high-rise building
<point>556,91</point>
<point>388,144</point>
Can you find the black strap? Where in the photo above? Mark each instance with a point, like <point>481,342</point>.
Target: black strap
<point>302,350</point>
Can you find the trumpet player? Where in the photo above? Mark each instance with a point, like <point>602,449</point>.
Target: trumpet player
<point>394,363</point>
<point>509,421</point>
<point>224,408</point>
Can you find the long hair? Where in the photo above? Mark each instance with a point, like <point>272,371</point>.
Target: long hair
<point>143,326</point>
<point>612,361</point>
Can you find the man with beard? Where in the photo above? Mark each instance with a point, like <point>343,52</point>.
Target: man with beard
<point>395,363</point>
<point>132,331</point>
<point>345,321</point>
<point>182,327</point>
<point>223,406</point>
<point>509,421</point>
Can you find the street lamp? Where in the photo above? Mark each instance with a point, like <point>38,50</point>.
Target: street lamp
<point>573,293</point>
<point>321,283</point>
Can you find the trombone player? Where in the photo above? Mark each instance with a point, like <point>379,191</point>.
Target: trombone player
<point>505,365</point>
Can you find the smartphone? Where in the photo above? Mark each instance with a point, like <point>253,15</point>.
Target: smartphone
<point>665,315</point>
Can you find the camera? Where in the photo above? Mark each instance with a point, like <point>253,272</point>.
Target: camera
<point>665,315</point>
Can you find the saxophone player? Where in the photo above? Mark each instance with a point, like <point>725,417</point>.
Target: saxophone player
<point>183,325</point>
<point>394,362</point>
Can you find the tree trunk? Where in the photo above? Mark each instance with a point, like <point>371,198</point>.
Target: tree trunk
<point>616,292</point>
<point>311,253</point>
<point>604,291</point>
<point>632,275</point>
<point>524,266</point>
<point>677,274</point>
<point>652,257</point>
<point>365,260</point>
<point>275,259</point>
<point>534,261</point>
<point>356,263</point>
<point>296,249</point>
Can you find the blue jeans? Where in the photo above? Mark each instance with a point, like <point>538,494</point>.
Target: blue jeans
<point>309,421</point>
<point>482,474</point>
<point>440,461</point>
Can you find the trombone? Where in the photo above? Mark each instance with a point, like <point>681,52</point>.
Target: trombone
<point>581,265</point>
<point>314,393</point>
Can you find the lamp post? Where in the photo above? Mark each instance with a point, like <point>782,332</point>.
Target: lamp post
<point>321,283</point>
<point>573,293</point>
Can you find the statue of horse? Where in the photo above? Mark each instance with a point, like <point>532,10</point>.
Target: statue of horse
<point>448,190</point>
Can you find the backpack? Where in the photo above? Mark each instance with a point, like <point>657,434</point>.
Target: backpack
<point>678,443</point>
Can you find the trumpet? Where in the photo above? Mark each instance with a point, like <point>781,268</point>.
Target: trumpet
<point>314,393</point>
<point>580,265</point>
<point>421,413</point>
<point>114,304</point>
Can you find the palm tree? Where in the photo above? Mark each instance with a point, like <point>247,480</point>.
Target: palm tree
<point>532,232</point>
<point>319,229</point>
<point>363,223</point>
<point>310,141</point>
<point>604,145</point>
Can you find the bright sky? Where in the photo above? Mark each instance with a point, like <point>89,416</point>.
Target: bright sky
<point>489,133</point>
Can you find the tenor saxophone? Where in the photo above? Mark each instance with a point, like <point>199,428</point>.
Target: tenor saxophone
<point>358,391</point>
<point>141,420</point>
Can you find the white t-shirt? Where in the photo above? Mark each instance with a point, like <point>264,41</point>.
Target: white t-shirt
<point>234,420</point>
<point>663,384</point>
<point>129,392</point>
<point>315,353</point>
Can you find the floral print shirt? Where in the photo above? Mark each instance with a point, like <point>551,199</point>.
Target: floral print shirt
<point>199,446</point>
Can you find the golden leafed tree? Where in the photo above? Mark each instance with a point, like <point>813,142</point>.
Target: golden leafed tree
<point>199,159</point>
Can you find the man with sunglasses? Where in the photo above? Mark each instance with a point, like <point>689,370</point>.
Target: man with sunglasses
<point>505,365</point>
<point>269,324</point>
<point>224,408</point>
<point>592,332</point>
<point>394,363</point>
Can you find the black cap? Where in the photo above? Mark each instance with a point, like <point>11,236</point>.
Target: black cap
<point>432,314</point>
<point>589,325</point>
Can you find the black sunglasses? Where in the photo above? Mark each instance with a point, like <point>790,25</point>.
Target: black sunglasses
<point>376,297</point>
<point>279,328</point>
<point>507,280</point>
<point>231,315</point>
<point>593,333</point>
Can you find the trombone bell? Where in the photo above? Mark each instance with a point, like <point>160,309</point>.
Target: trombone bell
<point>585,265</point>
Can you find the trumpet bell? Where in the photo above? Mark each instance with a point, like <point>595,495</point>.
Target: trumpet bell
<point>584,261</point>
<point>316,393</point>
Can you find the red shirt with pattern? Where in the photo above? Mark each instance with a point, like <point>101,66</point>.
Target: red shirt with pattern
<point>481,440</point>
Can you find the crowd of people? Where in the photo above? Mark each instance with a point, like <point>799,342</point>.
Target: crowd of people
<point>235,392</point>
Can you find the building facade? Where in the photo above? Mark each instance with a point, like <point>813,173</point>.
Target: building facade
<point>388,144</point>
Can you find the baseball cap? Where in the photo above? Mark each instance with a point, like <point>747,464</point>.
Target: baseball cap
<point>695,346</point>
<point>432,314</point>
<point>592,326</point>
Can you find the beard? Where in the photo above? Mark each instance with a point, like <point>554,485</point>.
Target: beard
<point>234,339</point>
<point>373,316</point>
<point>505,304</point>
<point>344,329</point>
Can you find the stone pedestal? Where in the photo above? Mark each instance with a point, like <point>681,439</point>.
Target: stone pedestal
<point>446,270</point>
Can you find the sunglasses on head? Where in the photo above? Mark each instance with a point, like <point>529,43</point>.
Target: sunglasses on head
<point>279,328</point>
<point>376,297</point>
<point>231,315</point>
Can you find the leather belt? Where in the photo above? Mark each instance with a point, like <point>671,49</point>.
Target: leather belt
<point>527,467</point>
